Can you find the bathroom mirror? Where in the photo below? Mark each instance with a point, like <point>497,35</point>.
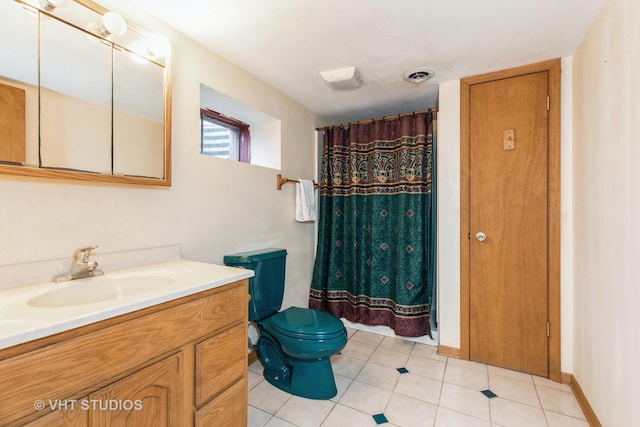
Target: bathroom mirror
<point>18,86</point>
<point>81,103</point>
<point>138,119</point>
<point>75,99</point>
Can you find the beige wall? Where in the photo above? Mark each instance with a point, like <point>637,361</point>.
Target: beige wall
<point>606,164</point>
<point>448,169</point>
<point>214,206</point>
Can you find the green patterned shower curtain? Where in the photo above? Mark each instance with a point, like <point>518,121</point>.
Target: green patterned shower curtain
<point>375,257</point>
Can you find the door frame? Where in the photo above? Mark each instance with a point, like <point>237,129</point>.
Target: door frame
<point>553,202</point>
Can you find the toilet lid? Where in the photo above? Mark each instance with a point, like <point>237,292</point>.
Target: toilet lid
<point>306,323</point>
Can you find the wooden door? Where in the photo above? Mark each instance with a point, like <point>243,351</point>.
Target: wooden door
<point>149,397</point>
<point>508,289</point>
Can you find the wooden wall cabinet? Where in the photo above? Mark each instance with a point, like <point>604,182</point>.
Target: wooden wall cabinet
<point>180,363</point>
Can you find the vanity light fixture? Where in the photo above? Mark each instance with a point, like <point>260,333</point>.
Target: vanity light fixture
<point>110,24</point>
<point>151,47</point>
<point>50,5</point>
<point>139,52</point>
<point>158,45</point>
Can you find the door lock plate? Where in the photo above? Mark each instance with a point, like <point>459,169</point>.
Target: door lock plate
<point>509,139</point>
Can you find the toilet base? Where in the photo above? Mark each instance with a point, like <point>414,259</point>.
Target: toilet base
<point>312,378</point>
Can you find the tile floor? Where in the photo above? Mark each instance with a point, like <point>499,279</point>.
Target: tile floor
<point>435,391</point>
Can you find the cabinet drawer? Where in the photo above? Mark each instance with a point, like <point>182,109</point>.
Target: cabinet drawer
<point>229,409</point>
<point>220,361</point>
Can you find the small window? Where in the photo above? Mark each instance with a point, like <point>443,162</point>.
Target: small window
<point>224,137</point>
<point>221,110</point>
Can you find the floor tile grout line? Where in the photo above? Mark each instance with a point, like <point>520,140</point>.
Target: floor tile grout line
<point>356,374</point>
<point>446,364</point>
<point>544,414</point>
<point>489,399</point>
<point>409,354</point>
<point>328,413</point>
<point>408,357</point>
<point>365,363</point>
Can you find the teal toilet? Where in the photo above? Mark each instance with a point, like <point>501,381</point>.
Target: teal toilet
<point>295,344</point>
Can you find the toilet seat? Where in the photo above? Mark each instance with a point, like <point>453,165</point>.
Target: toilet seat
<point>304,323</point>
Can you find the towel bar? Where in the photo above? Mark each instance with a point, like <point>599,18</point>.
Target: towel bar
<point>280,181</point>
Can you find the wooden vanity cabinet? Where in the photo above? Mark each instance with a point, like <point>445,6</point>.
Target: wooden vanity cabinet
<point>179,363</point>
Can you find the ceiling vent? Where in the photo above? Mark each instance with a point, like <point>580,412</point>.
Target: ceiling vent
<point>343,78</point>
<point>418,75</point>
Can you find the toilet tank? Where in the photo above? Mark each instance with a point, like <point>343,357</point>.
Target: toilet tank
<point>267,286</point>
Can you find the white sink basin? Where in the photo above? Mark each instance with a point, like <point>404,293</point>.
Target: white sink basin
<point>41,309</point>
<point>100,289</point>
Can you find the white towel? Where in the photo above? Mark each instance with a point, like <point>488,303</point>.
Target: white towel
<point>305,201</point>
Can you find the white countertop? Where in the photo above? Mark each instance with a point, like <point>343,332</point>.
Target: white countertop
<point>21,321</point>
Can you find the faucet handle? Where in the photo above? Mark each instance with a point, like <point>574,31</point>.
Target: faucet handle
<point>82,255</point>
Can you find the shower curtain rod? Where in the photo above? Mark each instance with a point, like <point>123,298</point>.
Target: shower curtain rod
<point>360,122</point>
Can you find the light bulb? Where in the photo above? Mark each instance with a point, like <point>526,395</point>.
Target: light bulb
<point>112,24</point>
<point>158,45</point>
<point>139,52</point>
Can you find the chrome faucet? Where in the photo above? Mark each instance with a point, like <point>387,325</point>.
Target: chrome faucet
<point>80,267</point>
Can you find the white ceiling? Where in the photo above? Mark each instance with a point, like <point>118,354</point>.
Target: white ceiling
<point>288,42</point>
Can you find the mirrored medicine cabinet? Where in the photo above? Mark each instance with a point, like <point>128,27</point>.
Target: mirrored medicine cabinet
<point>83,95</point>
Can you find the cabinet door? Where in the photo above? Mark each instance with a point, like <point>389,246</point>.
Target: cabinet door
<point>149,397</point>
<point>75,417</point>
